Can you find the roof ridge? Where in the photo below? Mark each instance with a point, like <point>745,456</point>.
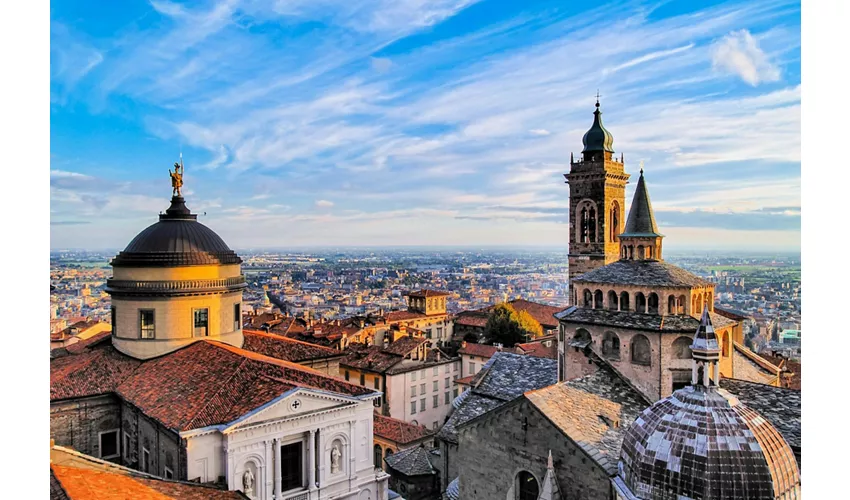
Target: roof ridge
<point>767,365</point>
<point>287,339</point>
<point>218,392</point>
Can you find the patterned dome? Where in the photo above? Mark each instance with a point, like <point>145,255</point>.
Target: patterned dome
<point>702,443</point>
<point>178,239</point>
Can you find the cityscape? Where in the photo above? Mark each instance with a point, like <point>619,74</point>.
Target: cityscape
<point>393,251</point>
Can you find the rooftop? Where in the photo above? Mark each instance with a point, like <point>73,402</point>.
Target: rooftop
<point>399,431</point>
<point>639,321</point>
<point>427,293</point>
<point>782,407</point>
<point>650,273</point>
<point>414,461</point>
<point>287,349</point>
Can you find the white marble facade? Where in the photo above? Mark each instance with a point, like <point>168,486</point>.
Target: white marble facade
<point>329,434</point>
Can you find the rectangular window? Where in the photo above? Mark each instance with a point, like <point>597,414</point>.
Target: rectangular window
<point>422,374</point>
<point>413,407</point>
<point>455,392</point>
<point>422,404</point>
<point>447,398</point>
<point>362,379</point>
<point>114,321</point>
<point>436,424</point>
<point>146,324</point>
<point>422,389</point>
<point>413,376</point>
<point>291,469</point>
<point>201,322</point>
<point>169,474</point>
<point>126,446</point>
<point>439,332</point>
<point>436,385</point>
<point>146,458</point>
<point>471,368</point>
<point>436,401</point>
<point>377,383</point>
<point>454,377</point>
<point>109,444</point>
<point>436,370</point>
<point>448,368</point>
<point>448,384</point>
<point>456,365</point>
<point>413,391</point>
<point>347,375</point>
<point>237,316</point>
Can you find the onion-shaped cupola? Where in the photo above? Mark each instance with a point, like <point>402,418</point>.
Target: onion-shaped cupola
<point>175,283</point>
<point>597,139</point>
<point>703,443</point>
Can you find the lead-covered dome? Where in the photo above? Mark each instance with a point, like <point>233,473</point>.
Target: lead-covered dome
<point>702,443</point>
<point>597,138</point>
<point>177,239</point>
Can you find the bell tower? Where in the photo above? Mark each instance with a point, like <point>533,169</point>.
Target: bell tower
<point>597,201</point>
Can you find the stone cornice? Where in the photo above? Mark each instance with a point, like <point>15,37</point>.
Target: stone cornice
<point>175,287</point>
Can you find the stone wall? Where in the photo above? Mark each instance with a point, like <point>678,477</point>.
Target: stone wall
<point>78,423</point>
<point>163,445</point>
<point>495,448</point>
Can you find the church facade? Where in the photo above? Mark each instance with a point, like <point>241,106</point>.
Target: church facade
<point>173,390</point>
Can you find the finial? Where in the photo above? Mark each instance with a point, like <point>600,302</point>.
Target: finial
<point>641,167</point>
<point>571,157</point>
<point>551,465</point>
<point>597,98</point>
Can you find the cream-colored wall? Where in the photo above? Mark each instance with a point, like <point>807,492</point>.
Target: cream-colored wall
<point>174,322</point>
<point>176,273</point>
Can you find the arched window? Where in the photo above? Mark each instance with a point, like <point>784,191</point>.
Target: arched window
<point>725,344</point>
<point>582,336</point>
<point>682,348</point>
<point>640,302</point>
<point>671,304</point>
<point>624,301</point>
<point>592,225</point>
<point>585,226</point>
<point>611,345</point>
<point>612,300</point>
<point>640,254</point>
<point>615,221</point>
<point>641,351</point>
<point>651,252</point>
<point>527,487</point>
<point>588,299</point>
<point>389,451</point>
<point>597,299</point>
<point>680,304</point>
<point>699,304</point>
<point>709,301</point>
<point>653,303</point>
<point>631,252</point>
<point>379,457</point>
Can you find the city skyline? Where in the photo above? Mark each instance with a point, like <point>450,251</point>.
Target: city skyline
<point>422,126</point>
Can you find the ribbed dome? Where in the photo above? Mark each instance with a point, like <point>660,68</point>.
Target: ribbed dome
<point>704,444</point>
<point>178,239</point>
<point>597,138</point>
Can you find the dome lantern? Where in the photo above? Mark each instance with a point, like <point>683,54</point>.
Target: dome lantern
<point>597,139</point>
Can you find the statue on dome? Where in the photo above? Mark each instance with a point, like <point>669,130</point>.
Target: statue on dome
<point>177,178</point>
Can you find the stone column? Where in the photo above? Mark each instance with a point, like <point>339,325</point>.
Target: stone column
<point>352,449</point>
<point>268,469</point>
<point>705,375</point>
<point>693,372</point>
<point>277,469</point>
<point>717,374</point>
<point>311,461</point>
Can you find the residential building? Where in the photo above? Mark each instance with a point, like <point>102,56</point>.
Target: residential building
<point>392,435</point>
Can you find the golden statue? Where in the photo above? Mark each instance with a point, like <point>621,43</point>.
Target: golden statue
<point>177,178</point>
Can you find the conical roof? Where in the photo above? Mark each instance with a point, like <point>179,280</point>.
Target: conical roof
<point>597,138</point>
<point>641,221</point>
<point>550,491</point>
<point>705,338</point>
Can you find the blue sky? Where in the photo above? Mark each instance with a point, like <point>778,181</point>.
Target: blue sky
<point>407,122</point>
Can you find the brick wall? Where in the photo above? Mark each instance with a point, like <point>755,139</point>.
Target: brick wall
<point>77,423</point>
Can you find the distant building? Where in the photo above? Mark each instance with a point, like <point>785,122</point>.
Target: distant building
<point>392,435</point>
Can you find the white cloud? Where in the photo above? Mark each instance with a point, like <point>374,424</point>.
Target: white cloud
<point>324,203</point>
<point>738,53</point>
<point>539,131</point>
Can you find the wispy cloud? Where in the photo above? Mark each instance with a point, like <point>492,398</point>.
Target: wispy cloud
<point>738,53</point>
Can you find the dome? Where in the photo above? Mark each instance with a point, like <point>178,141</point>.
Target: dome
<point>178,239</point>
<point>702,443</point>
<point>597,138</point>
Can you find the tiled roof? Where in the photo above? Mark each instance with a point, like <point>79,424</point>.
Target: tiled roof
<point>482,350</point>
<point>404,345</point>
<point>453,490</point>
<point>373,358</point>
<point>56,490</point>
<point>504,377</point>
<point>791,367</point>
<point>476,319</point>
<point>594,411</point>
<point>85,484</point>
<point>642,273</point>
<point>539,349</point>
<point>427,293</point>
<point>402,316</point>
<point>94,372</point>
<point>765,366</point>
<point>414,461</point>
<point>465,380</point>
<point>641,221</point>
<point>211,383</point>
<point>638,321</point>
<point>81,346</point>
<point>545,315</point>
<point>287,349</point>
<point>79,326</point>
<point>780,406</point>
<point>399,431</point>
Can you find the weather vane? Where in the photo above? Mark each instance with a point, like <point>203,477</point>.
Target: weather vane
<point>177,177</point>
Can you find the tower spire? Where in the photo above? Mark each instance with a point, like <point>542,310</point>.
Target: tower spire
<point>705,372</point>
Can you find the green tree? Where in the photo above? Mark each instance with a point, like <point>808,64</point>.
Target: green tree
<point>508,327</point>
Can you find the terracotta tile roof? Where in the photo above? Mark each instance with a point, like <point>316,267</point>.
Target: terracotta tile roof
<point>403,346</point>
<point>287,349</point>
<point>211,383</point>
<point>399,431</point>
<point>86,483</point>
<point>79,326</point>
<point>477,319</point>
<point>465,380</point>
<point>543,314</point>
<point>483,350</point>
<point>643,273</point>
<point>538,349</point>
<point>94,372</point>
<point>402,316</point>
<point>373,358</point>
<point>638,321</point>
<point>289,325</point>
<point>81,346</point>
<point>427,293</point>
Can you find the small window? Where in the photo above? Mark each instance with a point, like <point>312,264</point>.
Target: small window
<point>447,398</point>
<point>347,375</point>
<point>146,324</point>
<point>201,322</point>
<point>422,389</point>
<point>413,391</point>
<point>114,320</point>
<point>436,401</point>
<point>413,376</point>
<point>146,457</point>
<point>436,370</point>
<point>448,368</point>
<point>436,385</point>
<point>169,474</point>
<point>471,368</point>
<point>448,384</point>
<point>169,465</point>
<point>422,374</point>
<point>413,407</point>
<point>436,425</point>
<point>237,316</point>
<point>422,404</point>
<point>377,383</point>
<point>126,445</point>
<point>109,444</point>
<point>362,379</point>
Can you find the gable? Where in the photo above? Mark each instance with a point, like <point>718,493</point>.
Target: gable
<point>292,404</point>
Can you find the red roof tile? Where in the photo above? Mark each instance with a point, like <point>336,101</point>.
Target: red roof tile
<point>465,380</point>
<point>472,318</point>
<point>482,350</point>
<point>93,372</point>
<point>287,349</point>
<point>399,431</point>
<point>87,483</point>
<point>403,316</point>
<point>538,349</point>
<point>541,312</point>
